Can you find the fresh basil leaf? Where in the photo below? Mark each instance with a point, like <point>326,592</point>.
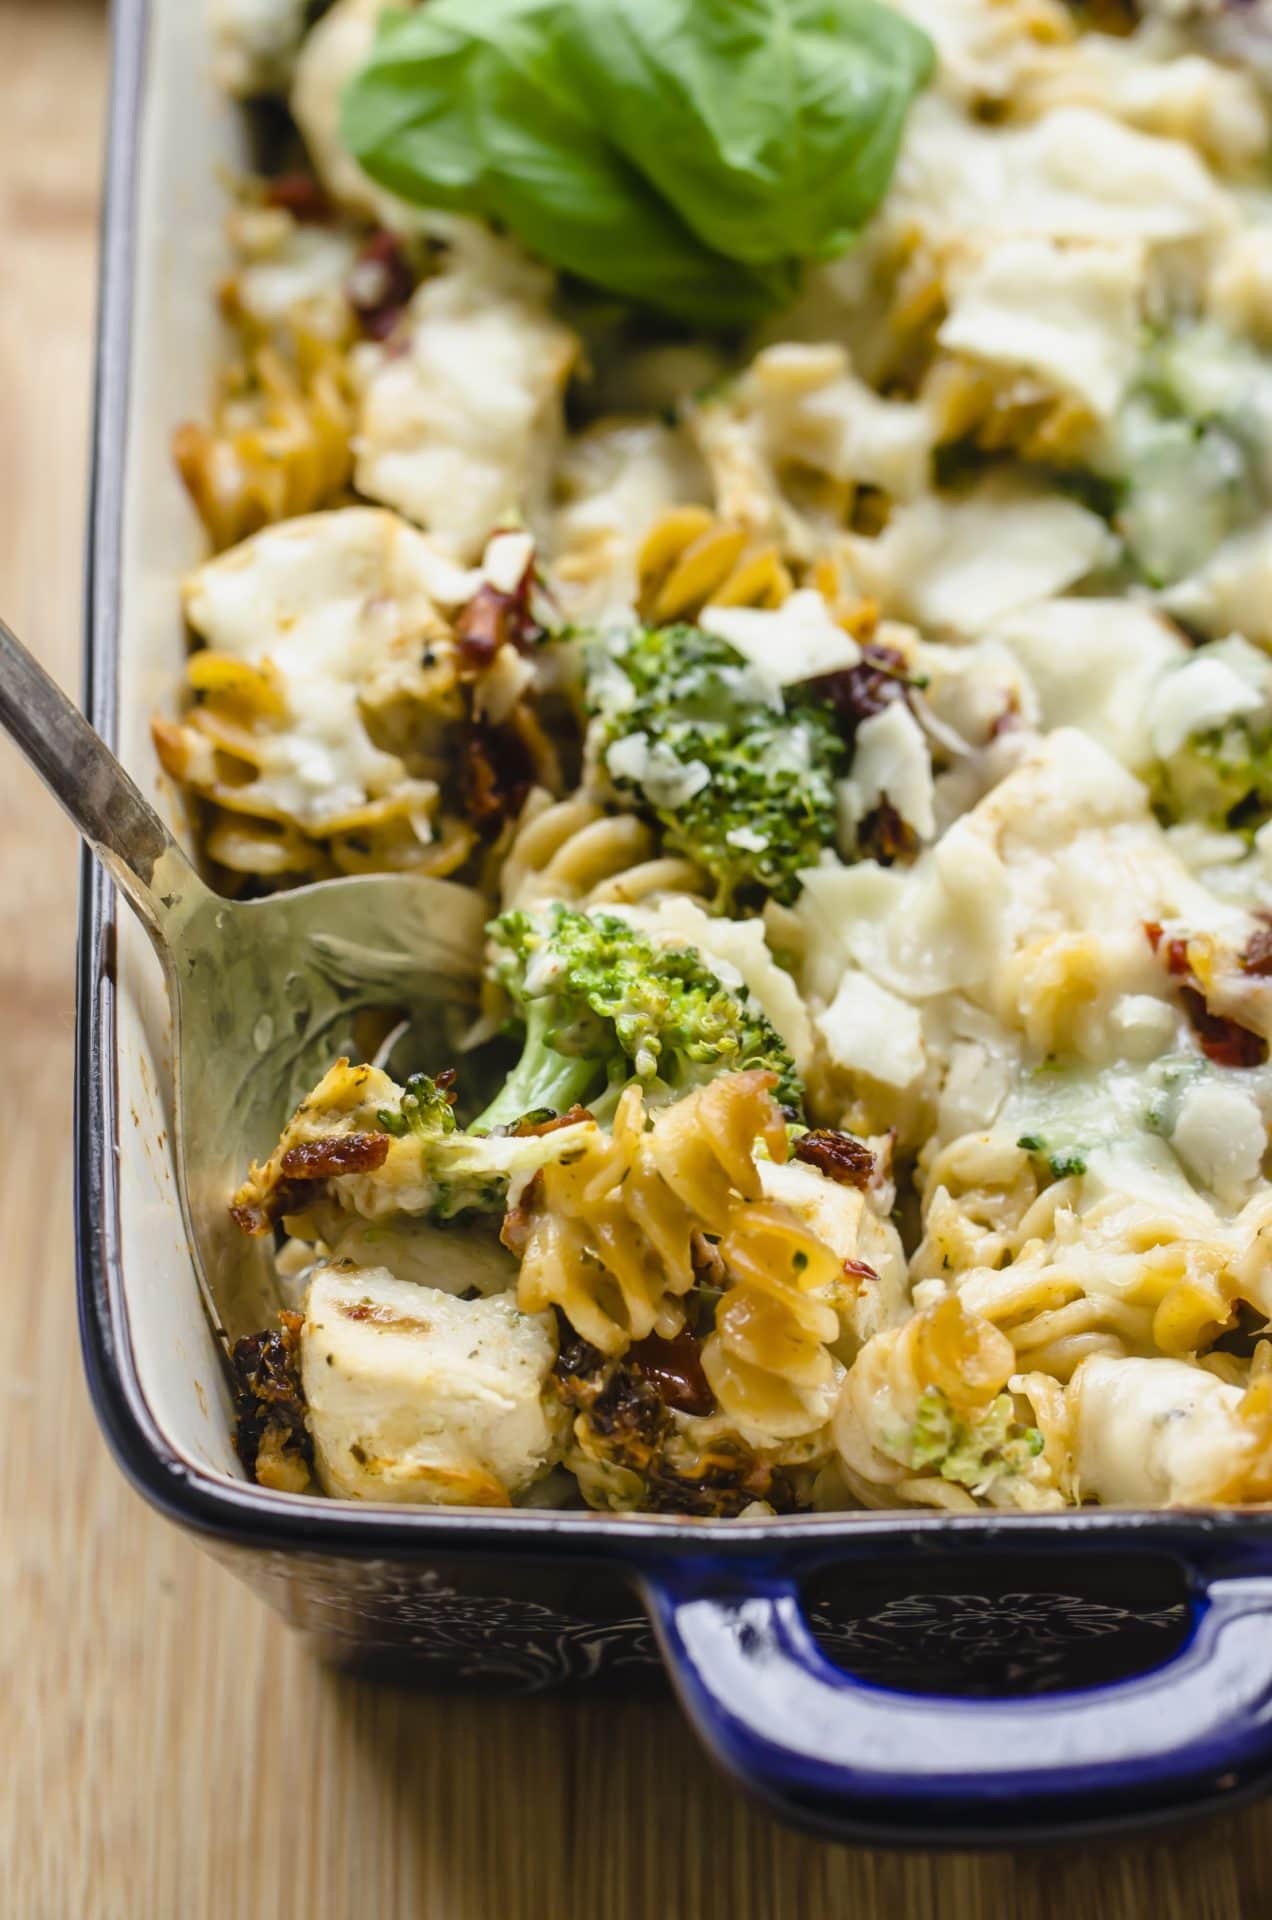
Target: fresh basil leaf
<point>772,126</point>
<point>691,154</point>
<point>474,108</point>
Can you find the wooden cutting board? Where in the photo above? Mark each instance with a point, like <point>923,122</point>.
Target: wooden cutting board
<point>167,1750</point>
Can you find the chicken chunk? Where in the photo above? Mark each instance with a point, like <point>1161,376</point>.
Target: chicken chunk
<point>417,1396</point>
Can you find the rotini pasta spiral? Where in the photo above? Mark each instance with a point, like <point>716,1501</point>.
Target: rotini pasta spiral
<point>1048,1407</point>
<point>925,1419</point>
<point>1002,410</point>
<point>691,559</point>
<point>610,1240</point>
<point>278,444</point>
<point>978,1190</point>
<point>998,408</point>
<point>1091,1283</point>
<point>767,1360</point>
<point>1052,1326</point>
<point>221,754</point>
<point>614,1238</point>
<point>1065,1276</point>
<point>576,851</point>
<point>316,732</point>
<point>798,448</point>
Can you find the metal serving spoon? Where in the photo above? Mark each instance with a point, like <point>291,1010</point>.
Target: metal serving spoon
<point>262,992</point>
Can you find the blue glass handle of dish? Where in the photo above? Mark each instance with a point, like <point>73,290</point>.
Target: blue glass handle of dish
<point>863,1761</point>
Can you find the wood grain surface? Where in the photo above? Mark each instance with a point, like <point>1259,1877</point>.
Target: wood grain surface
<point>167,1750</point>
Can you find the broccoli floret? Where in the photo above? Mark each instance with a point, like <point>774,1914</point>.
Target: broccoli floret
<point>426,1108</point>
<point>601,1005</point>
<point>973,1455</point>
<point>472,1172</point>
<point>467,1171</point>
<point>1186,453</point>
<point>738,774</point>
<point>1183,489</point>
<point>1222,777</point>
<point>1062,1161</point>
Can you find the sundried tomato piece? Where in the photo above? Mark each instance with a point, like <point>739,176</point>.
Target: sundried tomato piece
<point>1224,1041</point>
<point>338,1154</point>
<point>379,285</point>
<point>858,693</point>
<point>484,625</point>
<point>269,1401</point>
<point>674,1369</point>
<point>1257,958</point>
<point>494,618</point>
<point>837,1155</point>
<point>496,773</point>
<point>884,836</point>
<point>859,1270</point>
<point>1177,961</point>
<point>300,195</point>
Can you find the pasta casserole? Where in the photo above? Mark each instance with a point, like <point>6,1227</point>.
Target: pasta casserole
<point>777,500</point>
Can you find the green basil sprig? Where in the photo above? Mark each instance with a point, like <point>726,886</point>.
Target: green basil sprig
<point>688,154</point>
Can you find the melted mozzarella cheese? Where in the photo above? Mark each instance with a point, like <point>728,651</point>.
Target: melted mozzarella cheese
<point>799,407</point>
<point>871,1031</point>
<point>891,762</point>
<point>1233,590</point>
<point>1075,174</point>
<point>1032,905</point>
<point>1069,314</point>
<point>1151,1432</point>
<point>616,480</point>
<point>960,563</point>
<point>793,642</point>
<point>288,266</point>
<point>1215,685</point>
<point>1221,1137</point>
<point>460,430</point>
<point>332,604</point>
<point>1148,82</point>
<point>1096,664</point>
<point>815,410</point>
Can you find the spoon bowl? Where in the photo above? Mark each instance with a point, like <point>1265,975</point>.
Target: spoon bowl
<point>264,994</point>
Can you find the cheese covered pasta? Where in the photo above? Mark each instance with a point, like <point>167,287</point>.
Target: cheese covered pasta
<point>844,671</point>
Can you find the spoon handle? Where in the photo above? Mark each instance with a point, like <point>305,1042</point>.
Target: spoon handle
<point>80,770</point>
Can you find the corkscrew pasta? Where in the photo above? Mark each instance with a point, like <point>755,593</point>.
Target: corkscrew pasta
<point>611,1239</point>
<point>691,559</point>
<point>768,1358</point>
<point>576,850</point>
<point>278,444</point>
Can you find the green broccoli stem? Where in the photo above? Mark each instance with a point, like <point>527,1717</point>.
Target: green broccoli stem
<point>543,1077</point>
